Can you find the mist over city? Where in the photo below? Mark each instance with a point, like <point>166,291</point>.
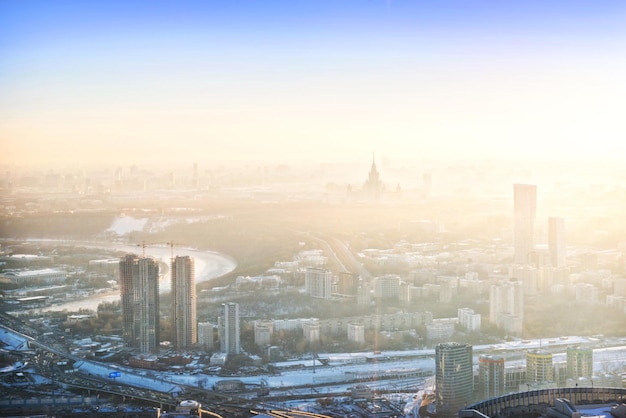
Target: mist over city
<point>296,209</point>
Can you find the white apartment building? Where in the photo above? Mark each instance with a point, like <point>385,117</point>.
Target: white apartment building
<point>263,330</point>
<point>229,329</point>
<point>387,287</point>
<point>318,283</point>
<point>469,320</point>
<point>506,306</point>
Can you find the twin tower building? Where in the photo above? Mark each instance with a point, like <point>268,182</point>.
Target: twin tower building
<point>139,290</point>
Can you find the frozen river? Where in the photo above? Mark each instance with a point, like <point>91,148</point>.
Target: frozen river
<point>208,265</point>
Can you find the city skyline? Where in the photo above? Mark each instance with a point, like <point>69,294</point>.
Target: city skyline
<point>310,81</point>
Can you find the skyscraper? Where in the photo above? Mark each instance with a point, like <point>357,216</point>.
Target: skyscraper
<point>229,328</point>
<point>556,241</point>
<point>139,291</point>
<point>184,327</point>
<point>454,380</point>
<point>128,270</point>
<point>491,380</point>
<point>525,208</point>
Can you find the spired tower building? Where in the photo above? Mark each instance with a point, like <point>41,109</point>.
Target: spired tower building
<point>139,291</point>
<point>373,185</point>
<point>454,379</point>
<point>525,210</point>
<point>184,324</point>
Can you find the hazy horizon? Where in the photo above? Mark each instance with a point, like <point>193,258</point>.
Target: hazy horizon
<point>169,83</point>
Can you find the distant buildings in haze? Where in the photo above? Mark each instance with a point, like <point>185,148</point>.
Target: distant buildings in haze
<point>525,208</point>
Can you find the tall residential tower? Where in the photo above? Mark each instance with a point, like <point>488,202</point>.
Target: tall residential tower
<point>139,291</point>
<point>184,324</point>
<point>229,328</point>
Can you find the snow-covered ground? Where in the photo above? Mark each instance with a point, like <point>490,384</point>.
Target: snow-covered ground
<point>606,359</point>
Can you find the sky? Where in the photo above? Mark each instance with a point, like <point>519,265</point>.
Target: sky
<point>119,82</point>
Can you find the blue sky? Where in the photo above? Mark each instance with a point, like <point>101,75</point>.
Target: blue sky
<point>321,80</point>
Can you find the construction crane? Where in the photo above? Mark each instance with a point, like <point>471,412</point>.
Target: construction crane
<point>171,244</point>
<point>144,244</point>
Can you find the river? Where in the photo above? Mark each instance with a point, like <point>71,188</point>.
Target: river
<point>208,265</point>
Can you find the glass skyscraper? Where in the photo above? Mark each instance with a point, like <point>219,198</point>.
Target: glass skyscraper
<point>454,380</point>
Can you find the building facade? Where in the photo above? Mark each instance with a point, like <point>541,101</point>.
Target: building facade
<point>454,380</point>
<point>184,323</point>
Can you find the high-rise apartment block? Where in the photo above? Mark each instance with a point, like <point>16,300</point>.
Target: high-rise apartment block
<point>491,380</point>
<point>579,362</point>
<point>139,291</point>
<point>205,335</point>
<point>469,319</point>
<point>525,208</point>
<point>387,287</point>
<point>229,328</point>
<point>184,324</point>
<point>506,306</point>
<point>347,283</point>
<point>263,330</point>
<point>556,241</point>
<point>539,368</point>
<point>454,380</point>
<point>318,283</point>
